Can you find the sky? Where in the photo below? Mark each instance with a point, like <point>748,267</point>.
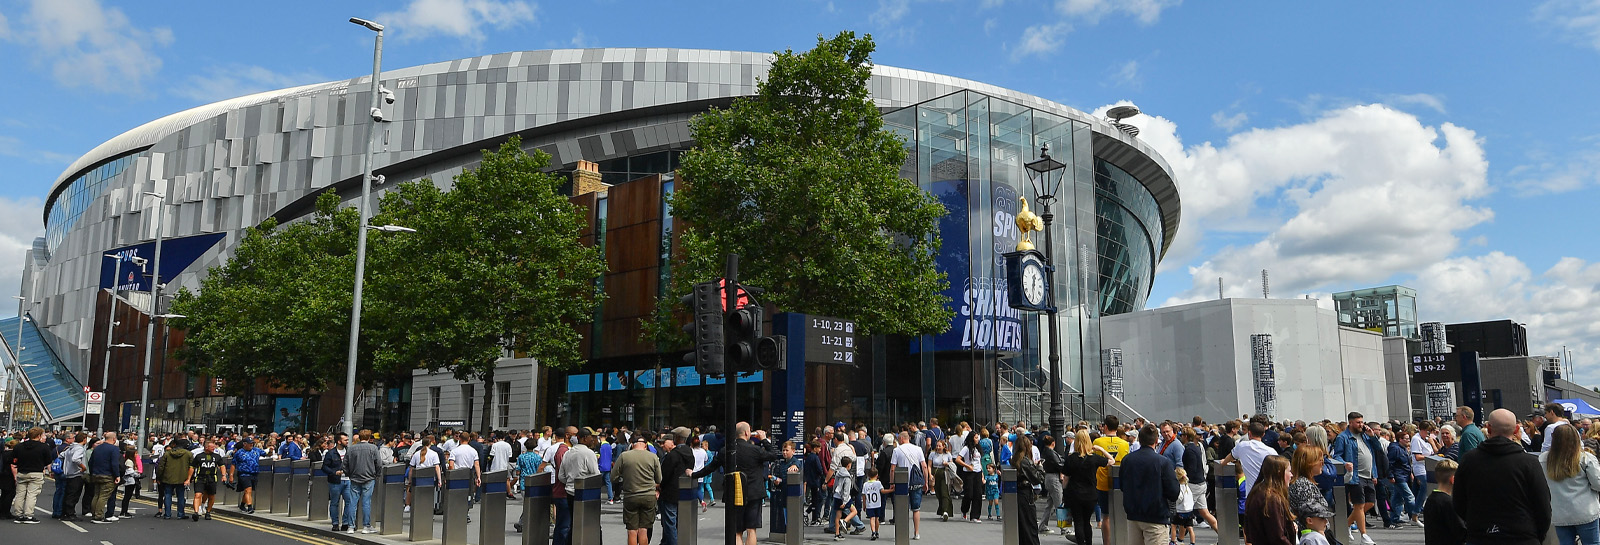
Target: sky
<point>1450,147</point>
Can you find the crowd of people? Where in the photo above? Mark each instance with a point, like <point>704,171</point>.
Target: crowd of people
<point>1491,485</point>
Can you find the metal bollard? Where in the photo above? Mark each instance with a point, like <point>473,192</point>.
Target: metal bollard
<point>423,486</point>
<point>1341,518</point>
<point>1008,508</point>
<point>281,470</point>
<point>492,515</point>
<point>299,483</point>
<point>795,504</point>
<point>536,510</point>
<point>1227,503</point>
<point>902,507</point>
<point>226,495</point>
<point>458,486</point>
<point>264,486</point>
<point>392,491</point>
<point>688,509</point>
<point>586,511</point>
<point>1117,519</point>
<point>319,494</point>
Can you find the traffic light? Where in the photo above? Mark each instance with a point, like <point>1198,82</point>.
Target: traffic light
<point>771,351</point>
<point>705,328</point>
<point>744,334</point>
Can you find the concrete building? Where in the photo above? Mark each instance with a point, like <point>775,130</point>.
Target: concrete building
<point>1195,360</point>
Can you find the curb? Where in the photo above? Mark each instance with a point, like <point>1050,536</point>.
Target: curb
<point>291,524</point>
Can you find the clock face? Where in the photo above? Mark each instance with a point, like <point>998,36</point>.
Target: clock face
<point>1033,283</point>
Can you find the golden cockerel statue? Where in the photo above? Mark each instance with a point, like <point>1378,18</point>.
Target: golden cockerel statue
<point>1027,222</point>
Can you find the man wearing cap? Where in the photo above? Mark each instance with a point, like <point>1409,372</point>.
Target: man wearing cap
<point>638,474</point>
<point>673,465</point>
<point>581,462</point>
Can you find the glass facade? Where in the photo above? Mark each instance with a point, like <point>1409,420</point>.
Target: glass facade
<point>624,169</point>
<point>63,212</point>
<point>1390,310</point>
<point>1129,233</point>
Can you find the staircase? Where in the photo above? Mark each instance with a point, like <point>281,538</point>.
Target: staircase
<point>1021,397</point>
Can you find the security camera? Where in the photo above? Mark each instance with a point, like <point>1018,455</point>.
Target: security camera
<point>377,114</point>
<point>388,96</point>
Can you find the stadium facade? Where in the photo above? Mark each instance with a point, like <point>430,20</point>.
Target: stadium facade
<point>624,113</point>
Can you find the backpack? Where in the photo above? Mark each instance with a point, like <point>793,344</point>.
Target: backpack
<point>58,467</point>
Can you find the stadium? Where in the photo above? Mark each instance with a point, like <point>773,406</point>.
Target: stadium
<point>615,120</point>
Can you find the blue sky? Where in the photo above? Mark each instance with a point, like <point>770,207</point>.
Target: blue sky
<point>1450,147</point>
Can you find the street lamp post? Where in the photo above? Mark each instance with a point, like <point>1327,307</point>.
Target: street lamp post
<point>1046,175</point>
<point>111,325</point>
<point>150,330</point>
<point>361,234</point>
<point>16,362</point>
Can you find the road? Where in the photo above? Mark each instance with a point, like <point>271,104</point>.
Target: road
<point>145,529</point>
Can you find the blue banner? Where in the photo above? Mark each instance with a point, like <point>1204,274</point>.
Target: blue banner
<point>984,319</point>
<point>176,255</point>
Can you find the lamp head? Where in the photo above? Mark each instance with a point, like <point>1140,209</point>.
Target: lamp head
<point>375,27</point>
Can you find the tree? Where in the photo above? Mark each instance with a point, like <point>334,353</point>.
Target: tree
<point>496,264</point>
<point>803,182</point>
<point>276,308</point>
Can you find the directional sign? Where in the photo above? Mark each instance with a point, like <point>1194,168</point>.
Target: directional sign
<point>1429,368</point>
<point>86,389</point>
<point>93,407</point>
<point>97,397</point>
<point>830,340</point>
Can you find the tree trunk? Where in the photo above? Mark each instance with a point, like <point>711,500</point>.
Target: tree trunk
<point>487,415</point>
<point>383,408</point>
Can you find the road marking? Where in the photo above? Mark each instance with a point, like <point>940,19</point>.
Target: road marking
<point>74,526</point>
<point>260,527</point>
<point>105,543</point>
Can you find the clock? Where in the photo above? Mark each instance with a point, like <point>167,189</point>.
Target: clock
<point>1028,281</point>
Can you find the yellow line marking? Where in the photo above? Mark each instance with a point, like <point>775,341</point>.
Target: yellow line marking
<point>264,528</point>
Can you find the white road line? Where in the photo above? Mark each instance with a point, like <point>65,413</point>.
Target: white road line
<point>105,543</point>
<point>75,527</point>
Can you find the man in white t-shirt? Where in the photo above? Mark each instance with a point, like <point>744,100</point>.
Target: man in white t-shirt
<point>1554,415</point>
<point>463,457</point>
<point>910,457</point>
<point>1250,453</point>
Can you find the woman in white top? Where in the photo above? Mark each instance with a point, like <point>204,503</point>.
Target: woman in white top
<point>943,465</point>
<point>1422,446</point>
<point>701,457</point>
<point>970,459</point>
<point>1574,477</point>
<point>425,462</point>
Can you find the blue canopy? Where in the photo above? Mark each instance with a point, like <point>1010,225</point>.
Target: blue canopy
<point>1578,407</point>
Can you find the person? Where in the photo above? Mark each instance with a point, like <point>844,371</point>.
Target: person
<point>30,458</point>
<point>500,459</point>
<point>8,477</point>
<point>872,501</point>
<point>909,456</point>
<point>467,456</point>
<point>1449,447</point>
<point>1444,527</point>
<point>750,460</point>
<point>1400,478</point>
<point>1116,448</point>
<point>105,473</point>
<point>991,491</point>
<point>555,456</point>
<point>581,462</point>
<point>1149,484</point>
<point>1305,495</point>
<point>333,469</point>
<point>69,484</point>
<point>814,469</point>
<point>528,464</point>
<point>246,465</point>
<point>1365,461</point>
<point>205,470</point>
<point>1471,435</point>
<point>1183,516</point>
<point>843,495</point>
<point>1029,475</point>
<point>701,458</point>
<point>1251,451</point>
<point>1424,443</point>
<point>1194,463</point>
<point>1555,415</point>
<point>1080,467</point>
<point>970,460</point>
<point>638,474</point>
<point>609,450</point>
<point>1500,492</point>
<point>673,463</point>
<point>1316,528</point>
<point>1267,516</point>
<point>424,464</point>
<point>172,474</point>
<point>842,463</point>
<point>361,468</point>
<point>944,471</point>
<point>1574,479</point>
<point>1050,462</point>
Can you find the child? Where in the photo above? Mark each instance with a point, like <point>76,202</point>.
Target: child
<point>1183,521</point>
<point>1440,512</point>
<point>843,486</point>
<point>1316,527</point>
<point>872,500</point>
<point>991,490</point>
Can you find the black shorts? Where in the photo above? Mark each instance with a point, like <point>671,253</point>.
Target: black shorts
<point>245,481</point>
<point>1361,493</point>
<point>209,489</point>
<point>751,519</point>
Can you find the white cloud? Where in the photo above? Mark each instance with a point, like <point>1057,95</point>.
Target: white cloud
<point>11,146</point>
<point>890,12</point>
<point>1559,307</point>
<point>1417,99</point>
<point>987,4</point>
<point>1548,175</point>
<point>1041,40</point>
<point>236,80</point>
<point>458,18</point>
<point>1578,20</point>
<point>1127,75</point>
<point>1229,123</point>
<point>1358,195</point>
<point>86,44</point>
<point>20,223</point>
<point>1146,11</point>
<point>5,27</point>
<point>579,40</point>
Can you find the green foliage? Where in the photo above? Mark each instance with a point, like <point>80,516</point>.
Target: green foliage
<point>280,308</point>
<point>495,263</point>
<point>803,182</point>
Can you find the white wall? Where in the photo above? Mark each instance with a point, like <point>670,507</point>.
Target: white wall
<point>452,401</point>
<point>1189,360</point>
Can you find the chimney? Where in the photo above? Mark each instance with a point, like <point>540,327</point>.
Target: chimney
<point>586,179</point>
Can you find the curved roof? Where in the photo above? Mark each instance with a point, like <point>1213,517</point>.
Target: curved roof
<point>1127,152</point>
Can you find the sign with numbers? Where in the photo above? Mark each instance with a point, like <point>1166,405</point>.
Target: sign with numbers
<point>830,340</point>
<point>1429,368</point>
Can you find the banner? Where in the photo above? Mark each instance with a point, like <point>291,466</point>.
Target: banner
<point>1111,362</point>
<point>984,319</point>
<point>176,255</point>
<point>1266,374</point>
<point>287,415</point>
<point>1441,400</point>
